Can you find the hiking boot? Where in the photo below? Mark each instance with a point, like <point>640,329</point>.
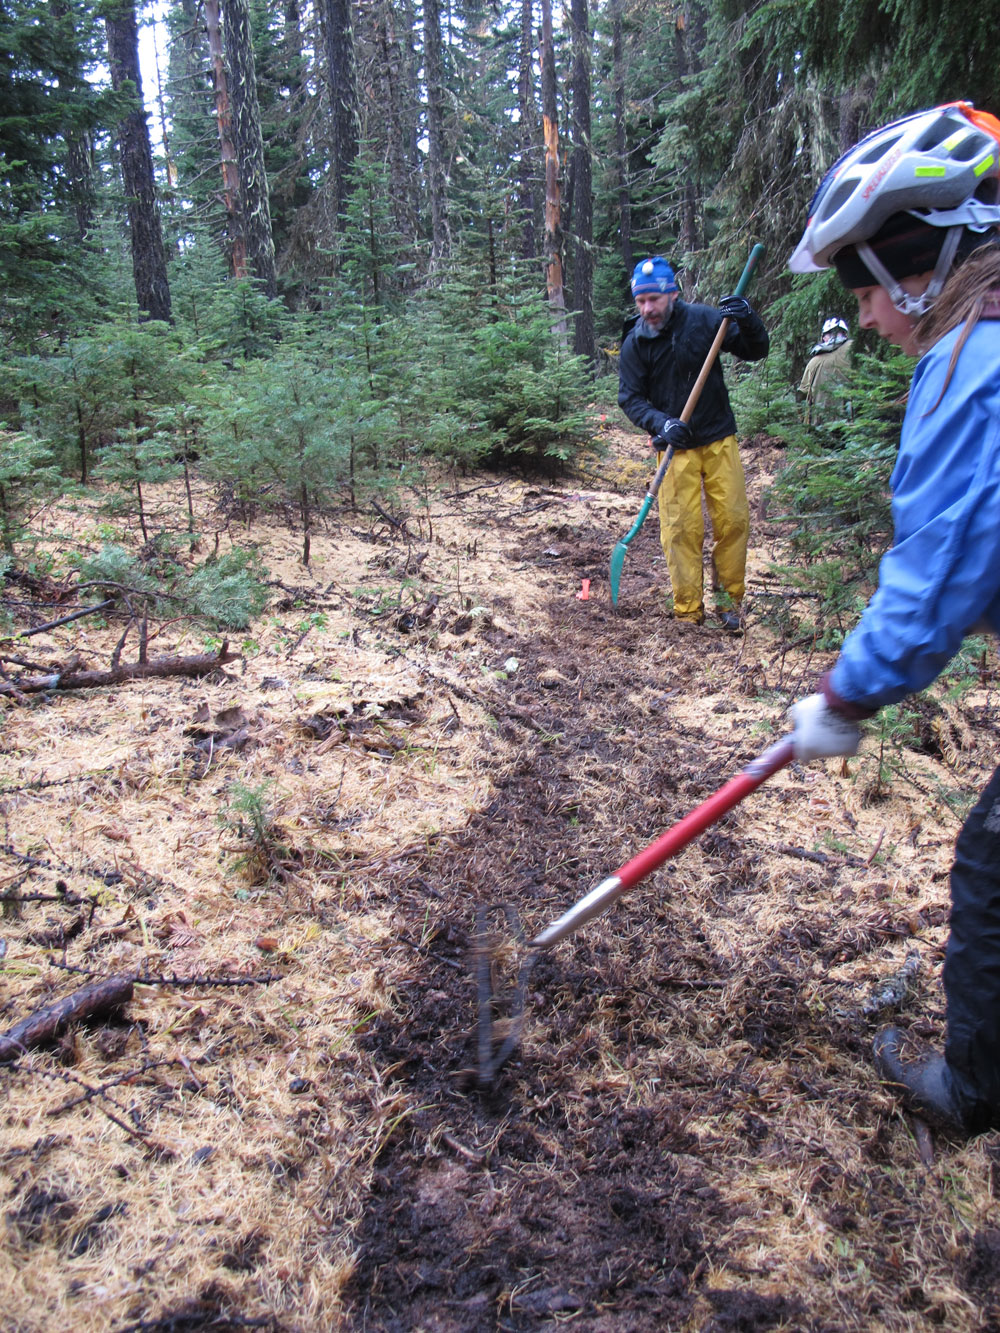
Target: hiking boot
<point>732,621</point>
<point>923,1082</point>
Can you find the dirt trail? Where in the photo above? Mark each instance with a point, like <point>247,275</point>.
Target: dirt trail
<point>436,725</point>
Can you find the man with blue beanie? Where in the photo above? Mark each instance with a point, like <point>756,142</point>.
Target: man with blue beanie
<point>661,357</point>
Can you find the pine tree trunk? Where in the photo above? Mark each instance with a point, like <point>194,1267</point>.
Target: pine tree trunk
<point>689,230</point>
<point>584,343</point>
<point>249,144</point>
<point>79,169</point>
<point>227,148</point>
<point>553,204</point>
<point>79,157</point>
<point>149,266</point>
<point>434,72</point>
<point>341,75</point>
<point>621,145</point>
<point>529,135</point>
<point>399,129</point>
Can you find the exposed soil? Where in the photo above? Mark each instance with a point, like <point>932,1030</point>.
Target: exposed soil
<point>294,1136</point>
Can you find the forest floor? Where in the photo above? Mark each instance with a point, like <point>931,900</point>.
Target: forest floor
<point>284,1127</point>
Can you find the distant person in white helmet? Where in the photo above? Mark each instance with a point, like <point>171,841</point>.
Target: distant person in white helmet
<point>829,363</point>
<point>909,218</point>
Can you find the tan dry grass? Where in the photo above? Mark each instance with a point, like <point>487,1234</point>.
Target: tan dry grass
<point>248,1169</point>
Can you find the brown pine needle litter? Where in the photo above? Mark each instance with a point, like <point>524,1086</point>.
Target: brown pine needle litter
<point>689,1135</point>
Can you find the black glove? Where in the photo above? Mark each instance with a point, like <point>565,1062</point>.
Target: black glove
<point>676,434</point>
<point>734,307</point>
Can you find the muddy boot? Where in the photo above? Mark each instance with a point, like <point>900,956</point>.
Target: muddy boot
<point>923,1082</point>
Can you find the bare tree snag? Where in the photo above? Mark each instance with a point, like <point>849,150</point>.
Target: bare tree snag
<point>224,121</point>
<point>584,338</point>
<point>553,203</point>
<point>44,1025</point>
<point>436,168</point>
<point>249,140</point>
<point>200,664</point>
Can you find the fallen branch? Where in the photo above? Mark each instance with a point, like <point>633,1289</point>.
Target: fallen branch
<point>65,620</point>
<point>200,664</point>
<point>44,1025</point>
<point>822,858</point>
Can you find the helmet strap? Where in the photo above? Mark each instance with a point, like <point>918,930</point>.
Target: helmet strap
<point>901,299</point>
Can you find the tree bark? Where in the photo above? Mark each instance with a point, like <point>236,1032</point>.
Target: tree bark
<point>529,134</point>
<point>200,664</point>
<point>79,157</point>
<point>44,1025</point>
<point>689,230</point>
<point>621,145</point>
<point>341,77</point>
<point>434,76</point>
<point>149,266</point>
<point>584,342</point>
<point>227,148</point>
<point>400,118</point>
<point>256,208</point>
<point>553,203</point>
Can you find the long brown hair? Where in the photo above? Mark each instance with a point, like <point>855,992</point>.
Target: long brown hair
<point>972,291</point>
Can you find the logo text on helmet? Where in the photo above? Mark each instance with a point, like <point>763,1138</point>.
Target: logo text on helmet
<point>882,172</point>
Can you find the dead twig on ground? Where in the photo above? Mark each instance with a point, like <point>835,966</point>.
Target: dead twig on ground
<point>65,620</point>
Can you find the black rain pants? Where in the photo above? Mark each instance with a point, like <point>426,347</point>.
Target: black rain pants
<point>972,964</point>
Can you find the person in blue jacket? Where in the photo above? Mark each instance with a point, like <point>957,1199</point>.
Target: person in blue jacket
<point>908,219</point>
<point>661,358</point>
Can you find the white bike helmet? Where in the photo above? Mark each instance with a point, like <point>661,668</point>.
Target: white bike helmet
<point>941,165</point>
<point>837,326</point>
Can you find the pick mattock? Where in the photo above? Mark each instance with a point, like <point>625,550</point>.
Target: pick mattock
<point>495,1049</point>
<point>618,554</point>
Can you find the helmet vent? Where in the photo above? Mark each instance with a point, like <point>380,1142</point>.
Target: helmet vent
<point>878,151</point>
<point>935,134</point>
<point>838,196</point>
<point>970,147</point>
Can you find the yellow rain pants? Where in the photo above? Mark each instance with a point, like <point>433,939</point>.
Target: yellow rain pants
<point>719,469</point>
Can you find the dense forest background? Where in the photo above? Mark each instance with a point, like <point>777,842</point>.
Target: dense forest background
<point>311,243</point>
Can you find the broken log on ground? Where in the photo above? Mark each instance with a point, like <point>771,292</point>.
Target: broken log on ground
<point>96,1000</point>
<point>198,664</point>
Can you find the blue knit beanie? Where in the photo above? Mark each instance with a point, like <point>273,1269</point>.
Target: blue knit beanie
<point>653,275</point>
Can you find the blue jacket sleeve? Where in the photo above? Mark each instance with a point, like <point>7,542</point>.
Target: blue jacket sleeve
<point>941,578</point>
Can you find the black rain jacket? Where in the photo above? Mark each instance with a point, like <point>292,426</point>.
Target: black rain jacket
<point>657,370</point>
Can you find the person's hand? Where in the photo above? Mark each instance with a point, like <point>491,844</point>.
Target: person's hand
<point>735,308</point>
<point>821,732</point>
<point>676,434</point>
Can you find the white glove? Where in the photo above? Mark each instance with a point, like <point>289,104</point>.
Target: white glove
<point>820,733</point>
